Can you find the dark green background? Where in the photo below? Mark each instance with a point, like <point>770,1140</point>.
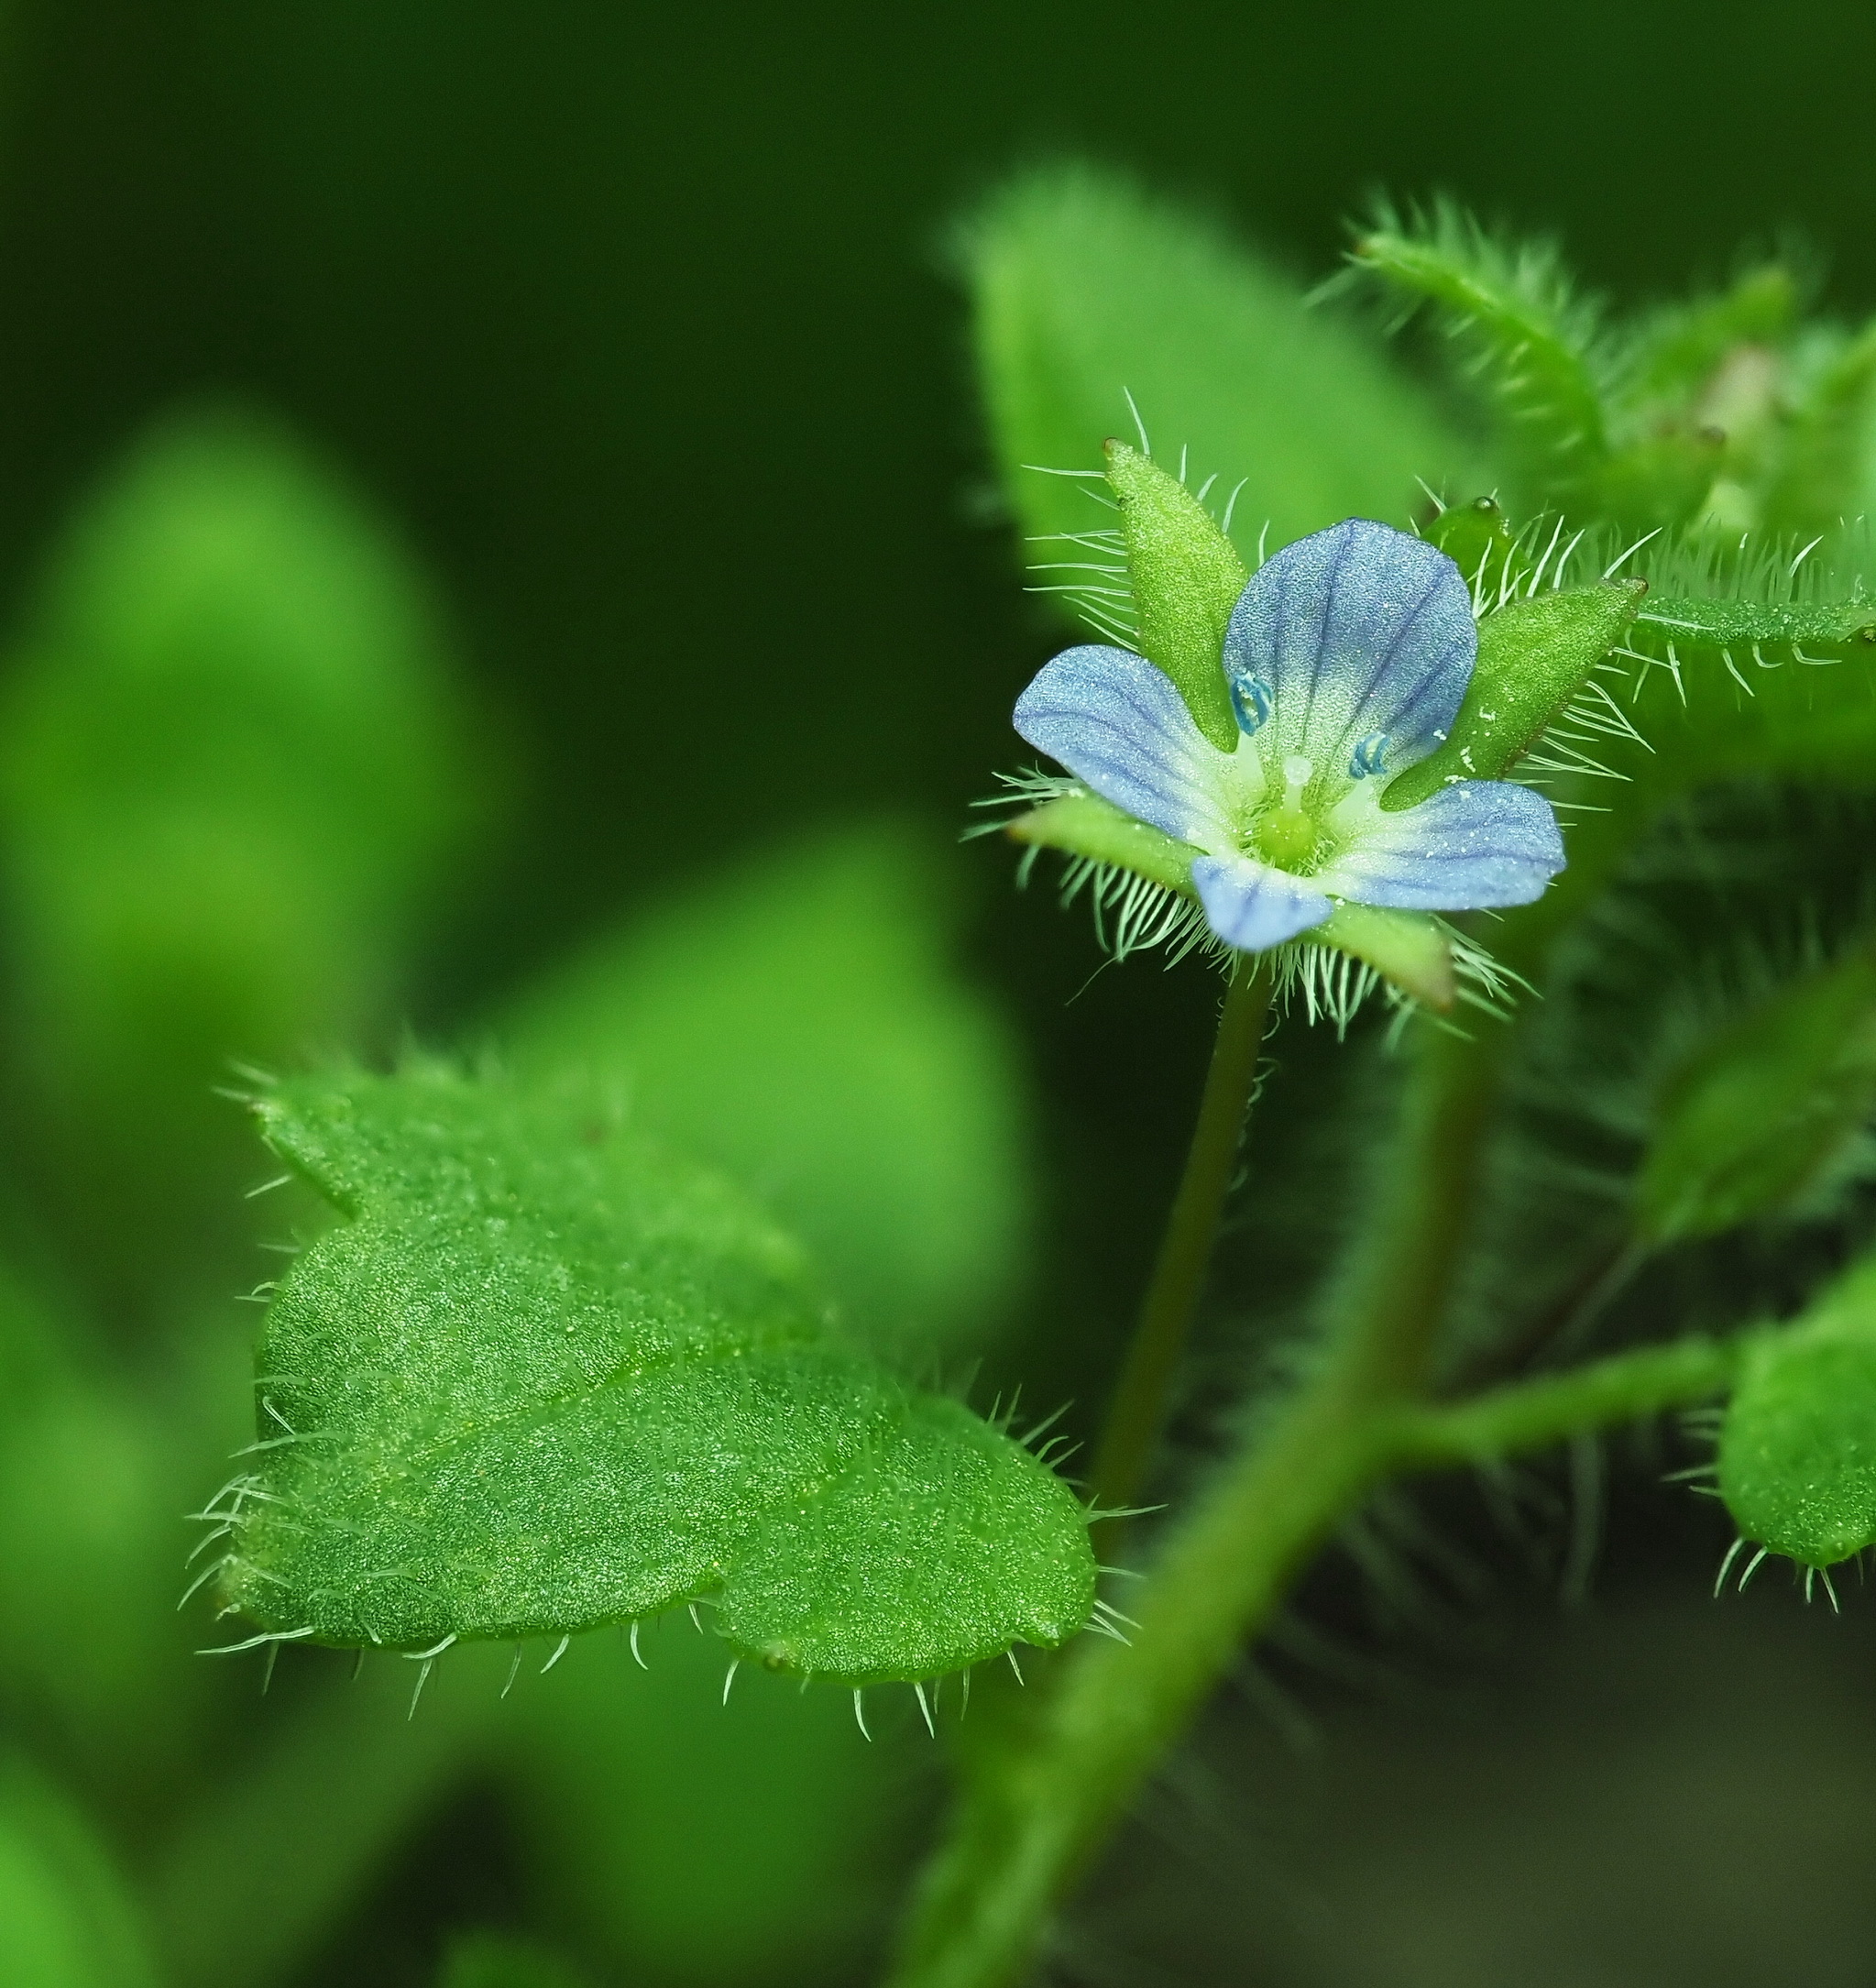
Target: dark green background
<point>637,318</point>
<point>635,314</point>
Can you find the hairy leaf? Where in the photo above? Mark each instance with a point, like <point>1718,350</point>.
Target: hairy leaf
<point>1797,1452</point>
<point>1535,345</point>
<point>1086,290</point>
<point>545,1376</point>
<point>799,1021</point>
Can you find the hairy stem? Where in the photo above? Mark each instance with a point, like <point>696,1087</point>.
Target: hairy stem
<point>1034,1818</point>
<point>1528,1414</point>
<point>1031,1814</point>
<point>1138,1407</point>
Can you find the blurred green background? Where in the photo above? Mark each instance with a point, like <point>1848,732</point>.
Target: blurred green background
<point>635,322</point>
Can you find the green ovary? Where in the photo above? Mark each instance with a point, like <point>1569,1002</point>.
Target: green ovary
<point>1288,835</point>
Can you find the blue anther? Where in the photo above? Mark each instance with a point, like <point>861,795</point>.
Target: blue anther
<point>1251,699</point>
<point>1370,756</point>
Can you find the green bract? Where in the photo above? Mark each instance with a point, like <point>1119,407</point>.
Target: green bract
<point>544,1377</point>
<point>1797,1452</point>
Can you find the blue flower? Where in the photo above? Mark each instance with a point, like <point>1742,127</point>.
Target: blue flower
<point>1346,658</point>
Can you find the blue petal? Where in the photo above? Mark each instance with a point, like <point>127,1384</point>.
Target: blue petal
<point>1357,629</point>
<point>1118,724</point>
<point>1251,908</point>
<point>1474,844</point>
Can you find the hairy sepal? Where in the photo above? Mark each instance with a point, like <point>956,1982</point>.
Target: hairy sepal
<point>546,1377</point>
<point>1534,655</point>
<point>1186,578</point>
<point>1408,949</point>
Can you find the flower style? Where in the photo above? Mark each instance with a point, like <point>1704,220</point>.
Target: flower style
<point>1346,658</point>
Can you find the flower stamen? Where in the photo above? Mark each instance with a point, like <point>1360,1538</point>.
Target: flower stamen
<point>1252,698</point>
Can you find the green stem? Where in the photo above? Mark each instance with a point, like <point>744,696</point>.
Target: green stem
<point>1034,1817</point>
<point>1529,1414</point>
<point>1035,1812</point>
<point>1138,1407</point>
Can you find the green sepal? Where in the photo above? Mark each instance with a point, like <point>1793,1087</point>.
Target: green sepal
<point>1186,578</point>
<point>1534,655</point>
<point>548,1376</point>
<point>1406,947</point>
<point>1757,1115</point>
<point>1085,825</point>
<point>1797,1450</point>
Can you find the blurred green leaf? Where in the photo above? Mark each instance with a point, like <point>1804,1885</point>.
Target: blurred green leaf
<point>228,765</point>
<point>502,1960</point>
<point>1817,481</point>
<point>800,1023</point>
<point>1797,1450</point>
<point>1752,1118</point>
<point>1675,352</point>
<point>546,1378</point>
<point>65,1918</point>
<point>706,1844</point>
<point>95,1466</point>
<point>1086,289</point>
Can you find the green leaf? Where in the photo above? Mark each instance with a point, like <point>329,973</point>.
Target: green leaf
<point>800,1022</point>
<point>66,1919</point>
<point>1797,1450</point>
<point>229,767</point>
<point>545,1376</point>
<point>1186,578</point>
<point>1755,1115</point>
<point>1084,289</point>
<point>1534,656</point>
<point>1513,317</point>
